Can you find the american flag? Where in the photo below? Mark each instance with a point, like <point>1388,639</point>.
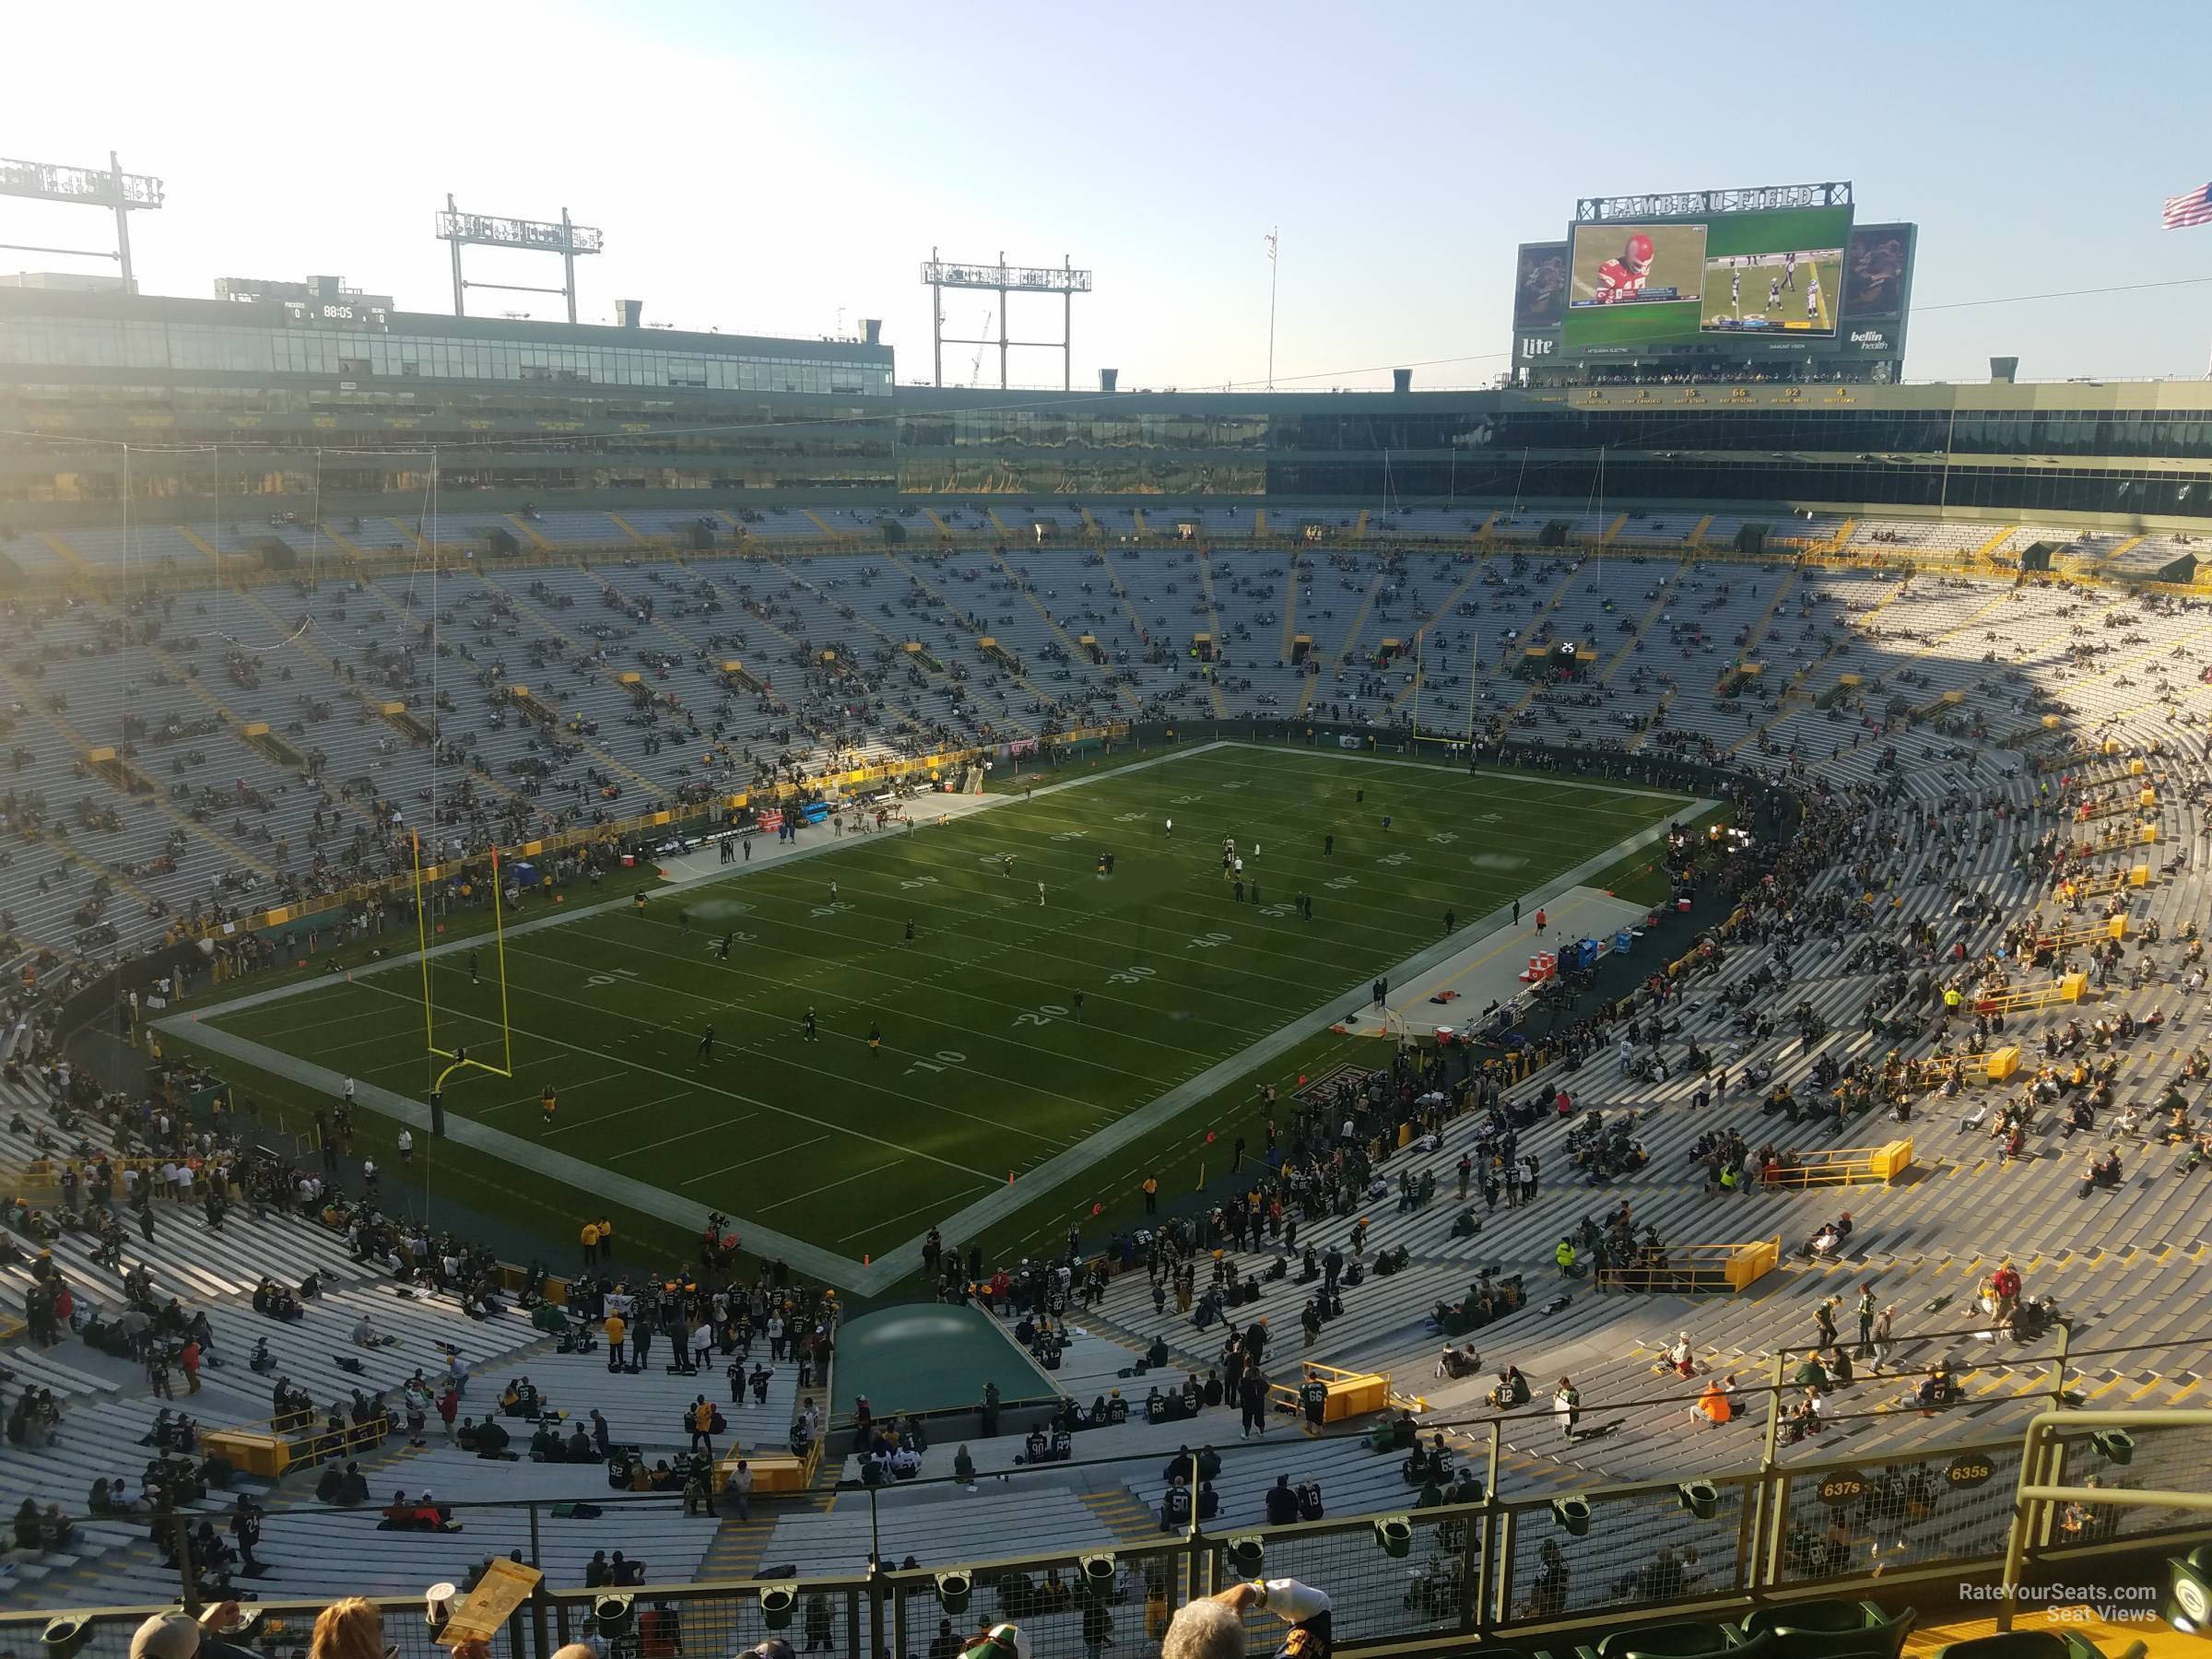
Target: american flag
<point>2195,208</point>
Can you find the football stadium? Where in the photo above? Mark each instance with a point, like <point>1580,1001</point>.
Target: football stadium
<point>1551,1018</point>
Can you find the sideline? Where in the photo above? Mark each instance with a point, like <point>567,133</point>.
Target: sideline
<point>1001,1201</point>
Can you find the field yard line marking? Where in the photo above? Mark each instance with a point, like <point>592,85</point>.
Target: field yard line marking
<point>687,1135</point>
<point>609,1117</point>
<point>184,1023</point>
<point>889,1221</point>
<point>781,1059</point>
<point>1557,780</point>
<point>589,1178</point>
<point>828,1186</point>
<point>748,1099</point>
<point>748,1162</point>
<point>1001,1201</point>
<point>858,1002</point>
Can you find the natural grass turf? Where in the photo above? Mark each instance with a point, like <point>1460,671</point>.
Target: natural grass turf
<point>985,1068</point>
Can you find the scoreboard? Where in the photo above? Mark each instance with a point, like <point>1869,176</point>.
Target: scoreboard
<point>1778,279</point>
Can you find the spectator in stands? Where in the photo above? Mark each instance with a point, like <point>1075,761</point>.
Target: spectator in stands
<point>1175,1505</point>
<point>352,1629</point>
<point>1282,1502</point>
<point>1715,1407</point>
<point>740,1488</point>
<point>179,1636</point>
<point>1214,1628</point>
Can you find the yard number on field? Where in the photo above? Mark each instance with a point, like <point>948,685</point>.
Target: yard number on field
<point>942,1058</point>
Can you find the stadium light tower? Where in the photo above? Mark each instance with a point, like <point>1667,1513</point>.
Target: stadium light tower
<point>1003,279</point>
<point>536,235</point>
<point>122,193</point>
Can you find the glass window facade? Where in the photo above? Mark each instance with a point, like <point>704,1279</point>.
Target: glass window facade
<point>292,410</point>
<point>202,348</point>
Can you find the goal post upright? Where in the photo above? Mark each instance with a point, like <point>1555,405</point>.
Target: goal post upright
<point>422,951</point>
<point>459,1056</point>
<point>499,933</point>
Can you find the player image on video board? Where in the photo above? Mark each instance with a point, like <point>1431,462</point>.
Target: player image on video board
<point>1876,267</point>
<point>1540,285</point>
<point>1636,266</point>
<point>1794,291</point>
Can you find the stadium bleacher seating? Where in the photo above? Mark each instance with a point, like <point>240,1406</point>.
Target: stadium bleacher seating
<point>1917,703</point>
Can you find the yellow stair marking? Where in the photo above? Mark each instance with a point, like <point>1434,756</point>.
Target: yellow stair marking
<point>1259,522</point>
<point>1420,628</point>
<point>1344,652</point>
<point>352,548</point>
<point>2185,1390</point>
<point>1766,619</point>
<point>1667,592</point>
<point>1612,530</point>
<point>2128,546</point>
<point>1359,527</point>
<point>1697,536</point>
<point>1121,592</point>
<point>530,533</point>
<point>77,563</point>
<point>1090,524</point>
<point>991,512</point>
<point>1882,605</point>
<point>1058,632</point>
<point>1128,1518</point>
<point>408,535</point>
<point>1843,533</point>
<point>1997,541</point>
<point>529,613</point>
<point>1538,617</point>
<point>943,528</point>
<point>628,529</point>
<point>819,522</point>
<point>1020,679</point>
<point>1351,635</point>
<point>730,600</point>
<point>158,799</point>
<point>1213,622</point>
<point>201,545</point>
<point>331,664</point>
<point>2150,1387</point>
<point>1137,517</point>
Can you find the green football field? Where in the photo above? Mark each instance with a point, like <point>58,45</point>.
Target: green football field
<point>987,1064</point>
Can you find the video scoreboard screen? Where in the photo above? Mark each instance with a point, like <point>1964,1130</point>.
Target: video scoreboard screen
<point>1706,281</point>
<point>1750,274</point>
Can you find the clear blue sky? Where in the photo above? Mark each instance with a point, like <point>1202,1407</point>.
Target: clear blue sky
<point>760,167</point>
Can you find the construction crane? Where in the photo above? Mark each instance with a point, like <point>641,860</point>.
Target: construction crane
<point>975,371</point>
